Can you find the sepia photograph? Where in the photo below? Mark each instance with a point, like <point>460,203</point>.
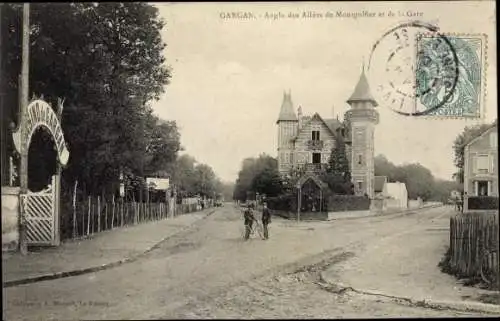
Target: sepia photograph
<point>249,160</point>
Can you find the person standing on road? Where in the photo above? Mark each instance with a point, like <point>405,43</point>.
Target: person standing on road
<point>249,218</point>
<point>266,219</point>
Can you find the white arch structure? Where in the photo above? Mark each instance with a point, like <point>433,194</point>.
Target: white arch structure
<point>40,114</point>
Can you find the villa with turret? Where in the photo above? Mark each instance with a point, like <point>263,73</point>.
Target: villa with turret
<point>307,141</point>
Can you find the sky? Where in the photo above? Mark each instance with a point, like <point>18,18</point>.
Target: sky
<point>229,74</point>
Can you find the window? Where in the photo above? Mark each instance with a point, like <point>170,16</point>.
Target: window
<point>315,135</point>
<point>316,158</point>
<point>494,140</point>
<point>360,186</point>
<point>482,188</point>
<point>482,164</point>
<point>360,159</point>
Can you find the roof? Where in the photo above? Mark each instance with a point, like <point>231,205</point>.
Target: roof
<point>486,131</point>
<point>379,183</point>
<point>286,112</point>
<point>362,91</point>
<point>332,124</point>
<point>315,178</point>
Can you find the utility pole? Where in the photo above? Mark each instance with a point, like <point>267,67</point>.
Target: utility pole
<point>3,115</point>
<point>23,105</point>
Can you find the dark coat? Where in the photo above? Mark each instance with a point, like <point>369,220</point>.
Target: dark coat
<point>248,215</point>
<point>266,216</point>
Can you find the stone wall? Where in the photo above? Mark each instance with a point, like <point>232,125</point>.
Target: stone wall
<point>10,214</point>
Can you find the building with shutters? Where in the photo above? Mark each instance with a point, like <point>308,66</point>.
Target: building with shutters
<point>480,166</point>
<point>307,141</point>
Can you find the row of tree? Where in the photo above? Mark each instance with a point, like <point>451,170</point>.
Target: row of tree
<point>106,60</point>
<point>418,179</point>
<point>258,175</point>
<point>193,178</point>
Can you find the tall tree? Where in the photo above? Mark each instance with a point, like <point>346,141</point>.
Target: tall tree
<point>338,175</point>
<point>419,180</point>
<point>255,174</point>
<point>267,182</point>
<point>106,60</point>
<point>206,183</point>
<point>338,164</point>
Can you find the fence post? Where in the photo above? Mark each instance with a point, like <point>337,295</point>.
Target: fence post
<point>98,214</point>
<point>106,213</point>
<point>136,214</point>
<point>88,222</point>
<point>113,212</point>
<point>83,218</point>
<point>74,211</point>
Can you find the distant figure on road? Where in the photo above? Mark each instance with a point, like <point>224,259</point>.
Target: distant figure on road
<point>266,219</point>
<point>249,218</point>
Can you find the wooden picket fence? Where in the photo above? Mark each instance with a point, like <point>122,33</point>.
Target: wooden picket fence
<point>92,215</point>
<point>474,245</point>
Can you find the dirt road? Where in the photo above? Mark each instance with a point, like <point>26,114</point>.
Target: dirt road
<point>208,271</point>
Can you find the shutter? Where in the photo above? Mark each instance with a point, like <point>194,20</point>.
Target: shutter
<point>493,140</point>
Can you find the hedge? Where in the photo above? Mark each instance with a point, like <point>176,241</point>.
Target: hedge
<point>341,203</point>
<point>483,203</point>
<point>333,203</point>
<point>285,202</point>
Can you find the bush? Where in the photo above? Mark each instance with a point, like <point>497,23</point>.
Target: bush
<point>285,202</point>
<point>340,203</point>
<point>483,203</point>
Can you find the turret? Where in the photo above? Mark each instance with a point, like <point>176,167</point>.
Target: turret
<point>287,129</point>
<point>362,118</point>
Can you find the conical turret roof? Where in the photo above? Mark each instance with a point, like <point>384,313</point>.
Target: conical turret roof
<point>286,112</point>
<point>362,91</point>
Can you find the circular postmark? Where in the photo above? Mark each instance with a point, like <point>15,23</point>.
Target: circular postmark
<point>414,69</point>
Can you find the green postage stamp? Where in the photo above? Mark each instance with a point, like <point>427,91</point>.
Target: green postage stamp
<point>450,74</point>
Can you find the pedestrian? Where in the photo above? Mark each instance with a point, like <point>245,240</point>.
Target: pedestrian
<point>266,219</point>
<point>249,218</point>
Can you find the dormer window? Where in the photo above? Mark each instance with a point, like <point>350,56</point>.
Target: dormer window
<point>315,135</point>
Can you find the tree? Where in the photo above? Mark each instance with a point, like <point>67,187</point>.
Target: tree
<point>254,176</point>
<point>183,175</point>
<point>106,60</point>
<point>337,174</point>
<point>338,165</point>
<point>419,180</point>
<point>463,139</point>
<point>162,146</point>
<point>267,182</point>
<point>205,183</point>
<point>192,178</point>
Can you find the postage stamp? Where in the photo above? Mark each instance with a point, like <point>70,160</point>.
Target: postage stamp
<point>419,71</point>
<point>450,83</point>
